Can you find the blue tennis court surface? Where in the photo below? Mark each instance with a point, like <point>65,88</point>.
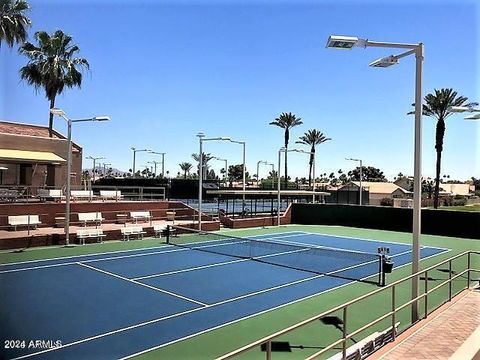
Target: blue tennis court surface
<point>115,305</point>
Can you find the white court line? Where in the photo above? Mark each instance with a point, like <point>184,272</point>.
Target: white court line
<point>187,312</point>
<point>373,240</point>
<point>172,249</point>
<point>140,249</point>
<point>141,284</point>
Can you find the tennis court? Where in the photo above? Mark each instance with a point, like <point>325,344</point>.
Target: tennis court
<point>125,303</point>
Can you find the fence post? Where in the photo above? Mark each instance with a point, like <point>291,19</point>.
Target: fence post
<point>426,294</point>
<point>468,267</point>
<point>393,312</point>
<point>450,280</point>
<point>344,344</point>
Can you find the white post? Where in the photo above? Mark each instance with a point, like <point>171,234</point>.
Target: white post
<point>243,197</point>
<point>68,192</point>
<point>278,187</point>
<point>133,168</point>
<point>258,166</point>
<point>200,184</point>
<point>417,182</point>
<point>361,190</point>
<point>163,166</point>
<point>313,188</point>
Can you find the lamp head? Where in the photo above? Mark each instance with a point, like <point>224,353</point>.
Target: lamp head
<point>460,109</point>
<point>472,117</point>
<point>344,42</point>
<point>201,135</point>
<point>384,62</point>
<point>57,112</point>
<point>101,118</point>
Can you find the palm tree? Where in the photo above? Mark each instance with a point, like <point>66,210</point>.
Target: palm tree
<point>13,21</point>
<point>186,167</point>
<point>313,138</point>
<point>52,65</point>
<point>205,159</point>
<point>438,106</point>
<point>286,121</point>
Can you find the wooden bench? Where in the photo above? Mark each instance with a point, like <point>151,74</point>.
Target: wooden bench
<point>132,231</point>
<point>24,220</point>
<point>81,194</point>
<point>140,215</point>
<point>54,194</point>
<point>161,230</point>
<point>95,217</point>
<point>110,194</point>
<point>83,234</point>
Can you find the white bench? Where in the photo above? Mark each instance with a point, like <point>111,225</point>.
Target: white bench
<point>55,194</point>
<point>95,217</point>
<point>83,234</point>
<point>132,231</point>
<point>24,220</point>
<point>110,194</point>
<point>162,230</point>
<point>81,194</point>
<point>140,215</point>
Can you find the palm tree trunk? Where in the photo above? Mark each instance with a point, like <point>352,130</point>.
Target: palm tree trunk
<point>50,119</point>
<point>440,132</point>
<point>185,174</point>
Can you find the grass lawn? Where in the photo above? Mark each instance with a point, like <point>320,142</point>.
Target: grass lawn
<point>461,208</point>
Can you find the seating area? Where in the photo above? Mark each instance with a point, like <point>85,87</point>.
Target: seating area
<point>50,194</point>
<point>24,221</point>
<point>81,194</point>
<point>140,215</point>
<point>84,234</point>
<point>90,217</point>
<point>132,231</point>
<point>161,230</point>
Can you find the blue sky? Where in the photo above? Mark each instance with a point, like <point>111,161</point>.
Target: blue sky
<point>165,71</point>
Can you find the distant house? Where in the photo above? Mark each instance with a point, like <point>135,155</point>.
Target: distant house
<point>29,157</point>
<point>379,190</point>
<point>446,189</point>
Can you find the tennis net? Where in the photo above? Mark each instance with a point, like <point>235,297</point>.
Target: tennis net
<point>340,263</point>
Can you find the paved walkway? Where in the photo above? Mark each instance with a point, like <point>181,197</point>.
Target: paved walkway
<point>451,332</point>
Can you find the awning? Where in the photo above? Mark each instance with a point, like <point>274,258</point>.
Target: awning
<point>44,157</point>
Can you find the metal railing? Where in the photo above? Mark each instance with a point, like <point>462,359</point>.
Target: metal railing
<point>392,314</point>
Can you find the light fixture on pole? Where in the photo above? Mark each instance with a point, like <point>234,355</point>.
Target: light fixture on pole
<point>243,172</point>
<point>104,168</point>
<point>94,162</point>
<point>61,113</point>
<point>348,42</point>
<point>201,139</point>
<point>461,109</point>
<point>284,150</point>
<point>264,163</point>
<point>361,168</point>
<point>163,161</point>
<point>225,174</point>
<point>155,167</point>
<point>135,150</point>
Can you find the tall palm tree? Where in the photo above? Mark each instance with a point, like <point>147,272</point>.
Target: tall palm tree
<point>186,167</point>
<point>438,105</point>
<point>52,65</point>
<point>313,138</point>
<point>13,21</point>
<point>205,159</point>
<point>286,121</point>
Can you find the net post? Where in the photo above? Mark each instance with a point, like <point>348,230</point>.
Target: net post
<point>167,234</point>
<point>344,335</point>
<point>468,268</point>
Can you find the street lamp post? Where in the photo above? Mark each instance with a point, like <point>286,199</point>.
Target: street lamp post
<point>155,165</point>
<point>265,163</point>
<point>61,113</point>
<point>243,157</point>
<point>94,162</point>
<point>201,139</point>
<point>283,149</point>
<point>361,167</point>
<point>163,161</point>
<point>104,168</point>
<point>135,150</point>
<point>348,42</point>
<point>226,169</point>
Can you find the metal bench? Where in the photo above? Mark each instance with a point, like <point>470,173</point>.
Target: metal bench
<point>83,234</point>
<point>136,231</point>
<point>95,217</point>
<point>140,215</point>
<point>81,194</point>
<point>24,220</point>
<point>47,194</point>
<point>110,194</point>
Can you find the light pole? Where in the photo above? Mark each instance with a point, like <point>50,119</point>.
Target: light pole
<point>361,167</point>
<point>348,42</point>
<point>265,163</point>
<point>104,167</point>
<point>243,157</point>
<point>201,139</point>
<point>283,149</point>
<point>226,169</point>
<point>94,161</point>
<point>135,150</point>
<point>61,113</point>
<point>155,165</point>
<point>163,161</point>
